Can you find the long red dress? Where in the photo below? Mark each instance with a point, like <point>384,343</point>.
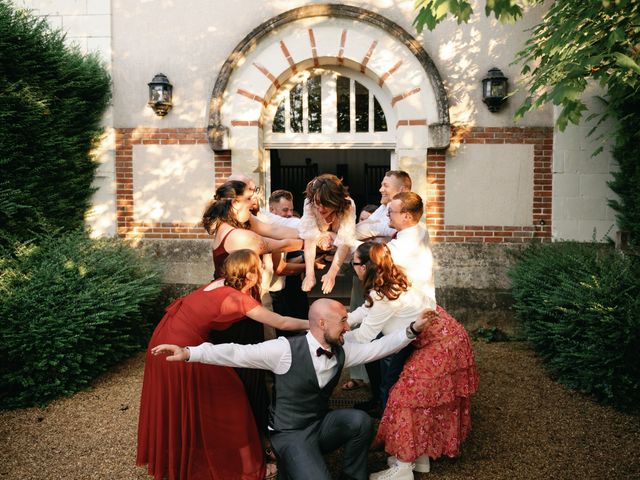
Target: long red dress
<point>429,407</point>
<point>195,420</point>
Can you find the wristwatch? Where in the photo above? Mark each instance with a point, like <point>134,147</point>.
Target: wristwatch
<point>411,333</point>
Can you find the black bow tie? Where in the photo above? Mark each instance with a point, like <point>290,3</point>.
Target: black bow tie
<point>322,351</point>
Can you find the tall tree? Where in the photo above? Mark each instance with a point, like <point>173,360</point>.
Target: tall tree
<point>52,99</point>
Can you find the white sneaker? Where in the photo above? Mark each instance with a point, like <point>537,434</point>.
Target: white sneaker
<point>422,464</point>
<point>397,472</point>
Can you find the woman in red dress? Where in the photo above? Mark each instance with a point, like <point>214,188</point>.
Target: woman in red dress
<point>195,420</point>
<point>228,219</point>
<point>428,413</point>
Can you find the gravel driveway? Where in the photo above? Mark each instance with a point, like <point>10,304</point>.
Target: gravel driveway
<point>525,427</point>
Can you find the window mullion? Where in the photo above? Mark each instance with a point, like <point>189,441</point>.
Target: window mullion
<point>305,107</point>
<point>352,105</point>
<point>287,113</point>
<point>371,97</point>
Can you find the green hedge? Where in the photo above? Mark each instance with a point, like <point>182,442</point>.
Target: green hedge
<point>52,100</point>
<point>579,305</point>
<point>70,308</point>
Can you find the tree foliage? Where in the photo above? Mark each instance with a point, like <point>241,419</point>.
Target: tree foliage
<point>52,99</point>
<point>576,41</point>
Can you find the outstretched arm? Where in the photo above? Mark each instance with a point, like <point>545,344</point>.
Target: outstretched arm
<point>240,238</point>
<point>329,278</point>
<point>358,353</point>
<point>266,316</point>
<point>309,262</point>
<point>272,230</point>
<point>274,355</point>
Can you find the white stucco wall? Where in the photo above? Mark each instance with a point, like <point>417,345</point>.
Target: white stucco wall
<point>189,41</point>
<point>87,23</point>
<point>190,44</point>
<point>170,182</point>
<point>490,185</point>
<point>580,192</point>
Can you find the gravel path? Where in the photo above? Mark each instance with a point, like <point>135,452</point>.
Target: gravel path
<point>525,427</point>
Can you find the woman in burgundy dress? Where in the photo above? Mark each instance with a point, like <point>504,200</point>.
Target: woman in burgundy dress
<point>195,419</point>
<point>228,219</point>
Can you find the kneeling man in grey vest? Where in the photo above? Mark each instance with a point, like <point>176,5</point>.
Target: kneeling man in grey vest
<point>307,369</point>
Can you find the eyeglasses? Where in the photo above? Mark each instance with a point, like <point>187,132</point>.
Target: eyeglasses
<point>389,212</point>
<point>355,264</point>
<point>255,190</point>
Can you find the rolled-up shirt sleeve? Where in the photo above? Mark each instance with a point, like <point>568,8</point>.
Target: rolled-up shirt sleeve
<point>273,355</point>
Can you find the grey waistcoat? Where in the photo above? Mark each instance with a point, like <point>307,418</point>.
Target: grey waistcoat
<point>298,400</point>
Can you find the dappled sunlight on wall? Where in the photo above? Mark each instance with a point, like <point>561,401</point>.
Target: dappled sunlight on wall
<point>464,54</point>
<point>171,183</point>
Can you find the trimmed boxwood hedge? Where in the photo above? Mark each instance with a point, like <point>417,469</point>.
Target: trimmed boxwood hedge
<point>70,308</point>
<point>579,306</point>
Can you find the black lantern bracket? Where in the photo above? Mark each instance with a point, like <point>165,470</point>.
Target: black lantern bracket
<point>494,89</point>
<point>160,94</point>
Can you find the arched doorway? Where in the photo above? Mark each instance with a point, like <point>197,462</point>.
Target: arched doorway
<point>332,41</point>
<point>329,120</point>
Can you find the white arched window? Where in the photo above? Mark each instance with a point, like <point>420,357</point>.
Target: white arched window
<point>336,107</point>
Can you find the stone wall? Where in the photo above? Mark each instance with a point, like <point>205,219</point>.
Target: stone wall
<point>471,278</point>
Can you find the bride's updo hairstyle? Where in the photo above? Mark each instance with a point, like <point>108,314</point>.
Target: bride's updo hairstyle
<point>236,267</point>
<point>381,275</point>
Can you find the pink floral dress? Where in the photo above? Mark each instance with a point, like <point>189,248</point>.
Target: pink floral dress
<point>429,407</point>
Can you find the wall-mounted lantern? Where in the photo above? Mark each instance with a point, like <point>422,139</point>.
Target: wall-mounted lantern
<point>494,89</point>
<point>160,94</point>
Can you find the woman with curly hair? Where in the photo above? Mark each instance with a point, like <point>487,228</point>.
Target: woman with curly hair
<point>195,419</point>
<point>389,304</point>
<point>327,208</point>
<point>429,383</point>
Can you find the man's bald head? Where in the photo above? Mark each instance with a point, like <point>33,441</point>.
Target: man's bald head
<point>328,321</point>
<point>239,177</point>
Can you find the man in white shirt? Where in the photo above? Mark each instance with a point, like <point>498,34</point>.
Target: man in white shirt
<point>377,225</point>
<point>307,369</point>
<point>410,249</point>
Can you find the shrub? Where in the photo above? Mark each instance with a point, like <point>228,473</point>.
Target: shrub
<point>52,99</point>
<point>70,307</point>
<point>579,306</point>
<point>626,177</point>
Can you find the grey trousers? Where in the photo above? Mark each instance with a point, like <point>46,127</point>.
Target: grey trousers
<point>300,452</point>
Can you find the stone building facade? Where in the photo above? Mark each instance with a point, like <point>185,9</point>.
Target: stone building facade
<point>260,87</point>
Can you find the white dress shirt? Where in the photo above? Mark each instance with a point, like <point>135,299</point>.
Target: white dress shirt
<point>275,355</point>
<point>386,315</point>
<point>269,217</point>
<point>377,225</point>
<point>411,251</point>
